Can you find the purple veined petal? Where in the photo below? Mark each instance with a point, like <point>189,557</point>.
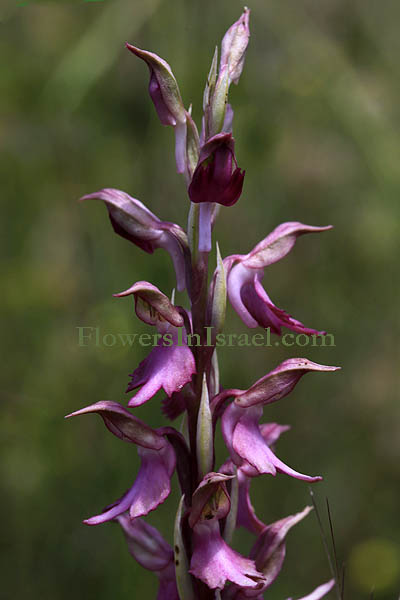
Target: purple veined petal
<point>248,443</point>
<point>229,420</point>
<point>253,305</point>
<point>166,367</point>
<point>279,383</point>
<point>151,305</point>
<point>246,516</point>
<point>144,239</point>
<point>269,549</point>
<point>273,536</point>
<point>276,316</point>
<point>153,481</point>
<point>278,244</point>
<point>247,440</point>
<point>281,467</point>
<point>246,294</point>
<point>319,592</point>
<point>259,306</point>
<point>234,189</point>
<point>244,441</point>
<point>150,489</point>
<point>268,553</point>
<point>215,563</point>
<point>270,432</point>
<point>234,45</point>
<point>163,87</point>
<point>124,425</point>
<point>238,277</point>
<point>130,214</point>
<point>145,543</point>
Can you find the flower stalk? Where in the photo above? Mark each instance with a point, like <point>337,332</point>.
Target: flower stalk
<point>215,499</point>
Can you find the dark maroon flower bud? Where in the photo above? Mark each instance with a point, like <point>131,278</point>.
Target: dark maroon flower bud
<point>217,178</point>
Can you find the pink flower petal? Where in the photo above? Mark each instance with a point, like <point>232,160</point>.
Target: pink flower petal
<point>166,367</point>
<point>151,487</point>
<point>215,563</point>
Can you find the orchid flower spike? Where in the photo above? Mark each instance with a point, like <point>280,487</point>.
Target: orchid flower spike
<point>183,363</point>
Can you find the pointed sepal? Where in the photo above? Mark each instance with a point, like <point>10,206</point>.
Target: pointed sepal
<point>151,305</point>
<point>280,382</point>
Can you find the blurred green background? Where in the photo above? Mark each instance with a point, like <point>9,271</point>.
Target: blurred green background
<point>317,130</point>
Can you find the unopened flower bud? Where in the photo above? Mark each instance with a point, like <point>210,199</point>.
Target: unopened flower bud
<point>234,45</point>
<point>163,88</point>
<point>164,92</point>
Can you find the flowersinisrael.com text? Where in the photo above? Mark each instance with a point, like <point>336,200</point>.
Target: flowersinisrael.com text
<point>93,336</point>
